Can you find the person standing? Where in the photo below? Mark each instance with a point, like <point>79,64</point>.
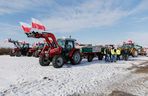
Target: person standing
<point>107,55</point>
<point>125,54</point>
<point>113,55</point>
<point>118,53</point>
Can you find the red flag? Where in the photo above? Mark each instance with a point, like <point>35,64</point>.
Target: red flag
<point>26,27</point>
<point>130,41</point>
<point>37,25</point>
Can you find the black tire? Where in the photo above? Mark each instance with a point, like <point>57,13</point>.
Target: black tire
<point>76,58</point>
<point>11,53</point>
<point>29,54</point>
<point>100,57</point>
<point>36,54</point>
<point>135,53</point>
<point>57,61</point>
<point>90,58</point>
<point>18,54</point>
<point>44,61</point>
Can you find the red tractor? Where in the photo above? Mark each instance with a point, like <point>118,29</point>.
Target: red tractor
<point>57,51</point>
<point>35,50</point>
<point>21,48</point>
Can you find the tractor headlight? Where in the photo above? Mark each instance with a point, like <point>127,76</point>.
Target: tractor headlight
<point>46,52</point>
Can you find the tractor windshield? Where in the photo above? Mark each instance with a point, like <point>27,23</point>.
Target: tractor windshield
<point>128,45</point>
<point>25,45</point>
<point>41,45</point>
<point>61,43</point>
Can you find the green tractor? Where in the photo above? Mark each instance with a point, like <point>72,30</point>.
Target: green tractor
<point>133,49</point>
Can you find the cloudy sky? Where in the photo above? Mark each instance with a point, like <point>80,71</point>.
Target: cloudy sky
<point>88,21</point>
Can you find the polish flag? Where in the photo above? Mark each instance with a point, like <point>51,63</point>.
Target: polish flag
<point>26,27</point>
<point>36,24</point>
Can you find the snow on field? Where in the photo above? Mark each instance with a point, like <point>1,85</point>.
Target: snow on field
<point>23,76</point>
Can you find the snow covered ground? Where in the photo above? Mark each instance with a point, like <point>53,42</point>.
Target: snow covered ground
<point>23,76</point>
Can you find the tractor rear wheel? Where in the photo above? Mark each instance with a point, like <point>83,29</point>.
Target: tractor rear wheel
<point>44,61</point>
<point>18,54</point>
<point>76,58</point>
<point>29,54</point>
<point>11,53</point>
<point>57,61</point>
<point>90,58</point>
<point>36,53</point>
<point>135,53</point>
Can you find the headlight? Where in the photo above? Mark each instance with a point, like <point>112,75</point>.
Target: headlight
<point>46,52</point>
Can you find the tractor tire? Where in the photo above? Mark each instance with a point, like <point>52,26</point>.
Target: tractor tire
<point>135,53</point>
<point>100,57</point>
<point>29,54</point>
<point>18,54</point>
<point>11,53</point>
<point>36,54</point>
<point>43,61</point>
<point>76,58</point>
<point>90,58</point>
<point>57,61</point>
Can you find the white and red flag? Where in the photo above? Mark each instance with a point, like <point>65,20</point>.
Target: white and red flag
<point>130,41</point>
<point>26,27</point>
<point>36,24</point>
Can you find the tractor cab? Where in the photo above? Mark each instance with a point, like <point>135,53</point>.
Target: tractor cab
<point>24,46</point>
<point>67,44</point>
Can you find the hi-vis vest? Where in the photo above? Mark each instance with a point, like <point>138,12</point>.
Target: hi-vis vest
<point>112,51</point>
<point>118,52</point>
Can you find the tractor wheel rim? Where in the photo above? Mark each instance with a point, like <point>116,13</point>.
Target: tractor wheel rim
<point>77,57</point>
<point>59,61</point>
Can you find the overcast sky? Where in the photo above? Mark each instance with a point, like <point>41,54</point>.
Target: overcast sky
<point>88,21</point>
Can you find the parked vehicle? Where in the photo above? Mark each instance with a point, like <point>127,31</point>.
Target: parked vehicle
<point>57,51</point>
<point>90,52</point>
<point>21,48</point>
<point>35,50</point>
<point>134,49</point>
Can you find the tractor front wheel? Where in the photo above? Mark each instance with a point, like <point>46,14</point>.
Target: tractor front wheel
<point>57,61</point>
<point>12,53</point>
<point>44,61</point>
<point>18,54</point>
<point>29,54</point>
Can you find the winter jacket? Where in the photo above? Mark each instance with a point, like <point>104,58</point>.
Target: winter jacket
<point>113,52</point>
<point>118,52</point>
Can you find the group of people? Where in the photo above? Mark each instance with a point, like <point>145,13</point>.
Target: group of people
<point>114,54</point>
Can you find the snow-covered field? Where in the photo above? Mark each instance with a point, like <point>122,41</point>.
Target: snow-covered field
<point>23,76</point>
